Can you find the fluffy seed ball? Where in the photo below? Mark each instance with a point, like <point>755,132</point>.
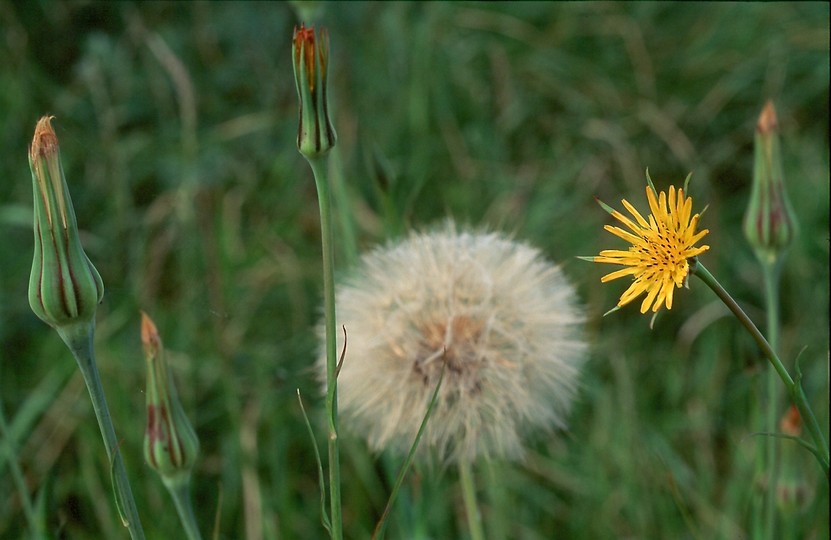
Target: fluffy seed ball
<point>504,321</point>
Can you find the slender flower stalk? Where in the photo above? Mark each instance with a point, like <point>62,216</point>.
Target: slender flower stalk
<point>474,518</point>
<point>315,137</point>
<point>64,292</point>
<point>793,387</point>
<point>770,276</point>
<point>171,446</point>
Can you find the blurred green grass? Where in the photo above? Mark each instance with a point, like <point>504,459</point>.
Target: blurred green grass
<point>177,123</point>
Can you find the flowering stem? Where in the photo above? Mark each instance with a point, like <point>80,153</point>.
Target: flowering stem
<point>318,165</point>
<point>770,272</point>
<point>378,533</point>
<point>180,491</point>
<point>474,520</point>
<point>79,340</point>
<point>795,391</point>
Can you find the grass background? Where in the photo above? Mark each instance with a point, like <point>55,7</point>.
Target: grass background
<point>177,124</point>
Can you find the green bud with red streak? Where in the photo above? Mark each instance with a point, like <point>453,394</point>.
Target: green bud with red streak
<point>64,286</point>
<point>769,223</point>
<point>310,55</point>
<point>170,443</point>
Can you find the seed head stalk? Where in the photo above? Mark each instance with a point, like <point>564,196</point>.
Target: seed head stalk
<point>794,388</point>
<point>474,519</point>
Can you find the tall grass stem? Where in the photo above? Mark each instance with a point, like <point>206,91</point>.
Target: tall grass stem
<point>35,527</point>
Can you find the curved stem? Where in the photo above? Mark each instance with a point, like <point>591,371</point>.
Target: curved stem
<point>474,520</point>
<point>180,491</point>
<point>318,165</point>
<point>795,391</point>
<point>79,340</point>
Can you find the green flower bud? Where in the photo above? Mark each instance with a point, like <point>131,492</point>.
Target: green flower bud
<point>64,286</point>
<point>170,443</point>
<point>769,223</point>
<point>315,134</point>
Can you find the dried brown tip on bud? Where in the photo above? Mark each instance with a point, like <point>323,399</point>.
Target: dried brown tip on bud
<point>767,119</point>
<point>45,142</point>
<point>149,334</point>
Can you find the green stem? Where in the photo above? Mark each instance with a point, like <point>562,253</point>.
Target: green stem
<point>79,340</point>
<point>771,273</point>
<point>795,391</point>
<point>380,528</point>
<point>318,165</point>
<point>474,520</point>
<point>180,491</point>
<point>17,476</point>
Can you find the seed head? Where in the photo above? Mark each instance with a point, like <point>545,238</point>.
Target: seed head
<point>503,321</point>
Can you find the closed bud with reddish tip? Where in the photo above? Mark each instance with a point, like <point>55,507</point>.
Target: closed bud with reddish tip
<point>769,222</point>
<point>64,286</point>
<point>310,55</point>
<point>170,443</point>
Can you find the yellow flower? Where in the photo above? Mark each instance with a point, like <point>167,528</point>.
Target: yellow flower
<point>658,259</point>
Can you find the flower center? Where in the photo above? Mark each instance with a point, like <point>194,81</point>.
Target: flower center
<point>455,343</point>
<point>663,251</point>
